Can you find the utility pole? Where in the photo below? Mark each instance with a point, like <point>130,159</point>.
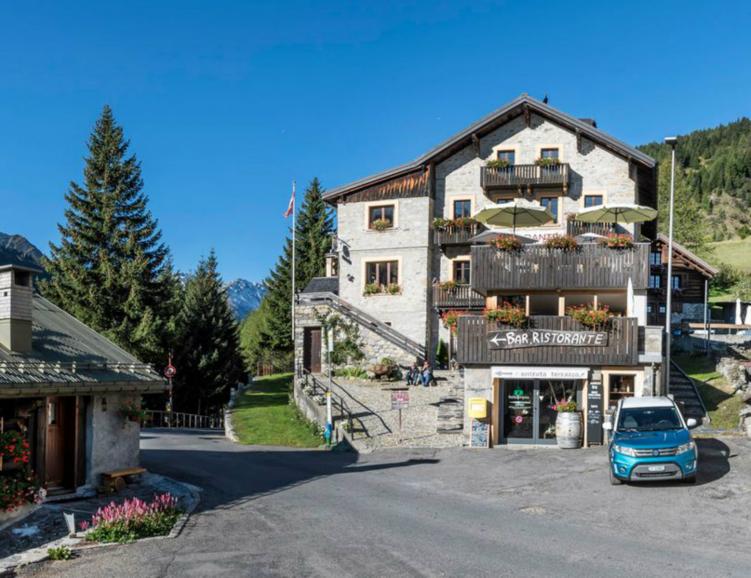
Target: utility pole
<point>671,141</point>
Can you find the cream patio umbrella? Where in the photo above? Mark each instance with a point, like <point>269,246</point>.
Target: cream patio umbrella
<point>625,213</point>
<point>516,213</point>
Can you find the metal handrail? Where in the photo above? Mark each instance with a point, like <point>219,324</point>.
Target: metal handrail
<point>337,401</point>
<point>182,420</point>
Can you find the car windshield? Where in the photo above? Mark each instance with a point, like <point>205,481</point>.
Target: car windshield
<point>649,419</point>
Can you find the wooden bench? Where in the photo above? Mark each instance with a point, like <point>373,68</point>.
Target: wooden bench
<point>114,481</point>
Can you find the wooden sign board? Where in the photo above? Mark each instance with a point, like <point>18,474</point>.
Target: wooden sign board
<point>519,338</point>
<point>594,412</point>
<point>479,434</point>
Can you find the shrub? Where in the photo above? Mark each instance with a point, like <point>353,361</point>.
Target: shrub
<point>381,224</point>
<point>351,372</point>
<point>60,553</point>
<point>615,241</point>
<point>508,314</point>
<point>19,488</point>
<point>497,164</point>
<point>507,243</point>
<point>589,315</point>
<point>442,354</point>
<point>14,447</point>
<point>563,242</point>
<point>133,519</point>
<point>388,362</point>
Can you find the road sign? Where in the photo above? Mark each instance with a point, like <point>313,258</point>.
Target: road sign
<point>399,398</point>
<point>170,371</point>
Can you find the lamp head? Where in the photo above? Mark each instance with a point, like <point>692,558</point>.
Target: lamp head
<point>671,140</point>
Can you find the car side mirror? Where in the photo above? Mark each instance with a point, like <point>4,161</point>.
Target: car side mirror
<point>607,426</point>
<point>691,422</point>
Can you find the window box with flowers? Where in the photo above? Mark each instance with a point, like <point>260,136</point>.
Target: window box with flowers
<point>507,243</point>
<point>381,225</point>
<point>616,241</point>
<point>591,316</point>
<point>547,162</point>
<point>507,314</point>
<point>561,242</point>
<point>379,289</point>
<point>497,164</point>
<point>448,286</point>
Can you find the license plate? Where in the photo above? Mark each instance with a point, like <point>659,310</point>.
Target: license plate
<point>656,468</point>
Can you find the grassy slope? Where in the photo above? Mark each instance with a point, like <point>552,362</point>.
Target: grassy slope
<point>736,253</point>
<point>722,405</point>
<point>264,415</point>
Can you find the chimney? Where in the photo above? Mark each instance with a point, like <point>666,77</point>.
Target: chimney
<point>15,307</point>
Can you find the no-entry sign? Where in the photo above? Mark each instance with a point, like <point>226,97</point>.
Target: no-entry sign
<point>399,398</point>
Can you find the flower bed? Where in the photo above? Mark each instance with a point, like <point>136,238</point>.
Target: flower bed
<point>508,314</point>
<point>133,519</point>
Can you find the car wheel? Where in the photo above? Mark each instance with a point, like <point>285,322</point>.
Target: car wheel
<point>614,480</point>
<point>689,480</point>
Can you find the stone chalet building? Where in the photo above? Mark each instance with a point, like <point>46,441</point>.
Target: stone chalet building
<point>392,260</point>
<point>64,386</point>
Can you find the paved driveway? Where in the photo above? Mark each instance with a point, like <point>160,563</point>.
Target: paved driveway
<point>277,512</point>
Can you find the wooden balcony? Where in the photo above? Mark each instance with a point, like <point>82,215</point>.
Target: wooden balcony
<point>590,266</point>
<point>518,176</point>
<point>576,228</point>
<point>458,297</point>
<point>474,345</point>
<point>453,235</point>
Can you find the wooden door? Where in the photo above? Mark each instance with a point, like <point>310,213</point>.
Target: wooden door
<point>60,454</point>
<point>312,349</point>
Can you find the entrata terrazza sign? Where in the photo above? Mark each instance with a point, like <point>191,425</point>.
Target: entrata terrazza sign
<point>519,338</point>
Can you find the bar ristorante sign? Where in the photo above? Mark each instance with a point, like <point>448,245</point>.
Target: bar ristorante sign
<point>519,338</point>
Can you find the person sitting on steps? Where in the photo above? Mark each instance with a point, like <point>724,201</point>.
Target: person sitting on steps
<point>413,374</point>
<point>427,374</point>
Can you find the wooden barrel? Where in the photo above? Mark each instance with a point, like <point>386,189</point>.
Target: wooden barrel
<point>568,429</point>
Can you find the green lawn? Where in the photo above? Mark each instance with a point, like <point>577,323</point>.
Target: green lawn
<point>722,406</point>
<point>735,253</point>
<point>265,416</point>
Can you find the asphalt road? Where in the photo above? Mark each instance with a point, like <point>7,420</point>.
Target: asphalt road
<point>534,512</point>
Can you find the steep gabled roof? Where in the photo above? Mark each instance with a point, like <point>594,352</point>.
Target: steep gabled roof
<point>694,261</point>
<point>489,123</point>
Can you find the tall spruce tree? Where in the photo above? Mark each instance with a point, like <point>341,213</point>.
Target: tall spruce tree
<point>207,352</point>
<point>111,269</point>
<point>272,329</point>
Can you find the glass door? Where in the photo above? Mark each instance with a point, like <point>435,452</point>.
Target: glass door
<point>518,410</point>
<point>550,393</point>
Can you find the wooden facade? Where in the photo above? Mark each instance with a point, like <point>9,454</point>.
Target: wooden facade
<point>473,344</point>
<point>458,297</point>
<point>457,235</point>
<point>414,184</point>
<point>521,176</point>
<point>590,266</point>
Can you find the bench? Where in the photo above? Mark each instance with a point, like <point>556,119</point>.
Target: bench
<point>114,481</point>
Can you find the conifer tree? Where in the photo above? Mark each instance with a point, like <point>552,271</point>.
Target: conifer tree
<point>207,352</point>
<point>111,269</point>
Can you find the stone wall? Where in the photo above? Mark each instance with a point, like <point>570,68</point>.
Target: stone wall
<point>112,440</point>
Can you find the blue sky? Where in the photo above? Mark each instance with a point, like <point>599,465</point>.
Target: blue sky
<point>226,102</point>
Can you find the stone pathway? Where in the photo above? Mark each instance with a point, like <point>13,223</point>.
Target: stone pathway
<point>377,425</point>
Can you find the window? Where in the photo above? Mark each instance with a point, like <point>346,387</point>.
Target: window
<point>462,209</point>
<point>677,282</point>
<point>662,309</point>
<point>654,281</point>
<point>508,156</point>
<point>461,272</point>
<point>649,308</point>
<point>655,258</point>
<point>549,153</point>
<point>620,386</point>
<point>22,278</point>
<point>381,213</point>
<point>593,200</point>
<point>551,203</point>
<point>382,272</point>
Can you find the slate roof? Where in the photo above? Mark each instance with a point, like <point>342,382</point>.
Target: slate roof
<point>584,127</point>
<point>698,263</point>
<point>69,357</point>
<point>322,285</point>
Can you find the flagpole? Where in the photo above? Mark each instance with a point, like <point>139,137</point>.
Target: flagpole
<point>294,227</point>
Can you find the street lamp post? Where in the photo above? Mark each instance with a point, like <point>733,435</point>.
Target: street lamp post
<point>672,141</point>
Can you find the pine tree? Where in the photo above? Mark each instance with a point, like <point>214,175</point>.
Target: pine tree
<point>111,269</point>
<point>207,353</point>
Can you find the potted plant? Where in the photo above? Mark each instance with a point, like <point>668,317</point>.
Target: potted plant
<point>448,286</point>
<point>462,222</point>
<point>497,164</point>
<point>393,289</point>
<point>372,289</point>
<point>381,224</point>
<point>132,411</point>
<point>618,241</point>
<point>507,314</point>
<point>450,319</point>
<point>507,243</point>
<point>568,425</point>
<point>562,242</point>
<point>589,315</point>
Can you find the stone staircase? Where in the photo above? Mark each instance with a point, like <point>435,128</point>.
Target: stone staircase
<point>686,394</point>
<point>450,417</point>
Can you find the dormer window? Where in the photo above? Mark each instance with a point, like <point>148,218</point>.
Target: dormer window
<point>381,217</point>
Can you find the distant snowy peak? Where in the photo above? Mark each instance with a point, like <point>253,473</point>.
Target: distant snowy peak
<point>244,296</point>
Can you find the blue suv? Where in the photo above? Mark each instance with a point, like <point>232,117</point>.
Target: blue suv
<point>650,441</point>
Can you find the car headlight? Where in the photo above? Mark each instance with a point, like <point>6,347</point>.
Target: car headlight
<point>689,447</point>
<point>626,451</point>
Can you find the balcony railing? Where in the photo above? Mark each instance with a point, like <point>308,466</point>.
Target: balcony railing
<point>456,235</point>
<point>576,228</point>
<point>590,266</point>
<point>524,176</point>
<point>458,297</point>
<point>475,332</point>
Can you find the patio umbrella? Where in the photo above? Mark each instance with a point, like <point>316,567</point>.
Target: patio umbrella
<point>625,213</point>
<point>738,312</point>
<point>516,213</point>
<point>490,234</point>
